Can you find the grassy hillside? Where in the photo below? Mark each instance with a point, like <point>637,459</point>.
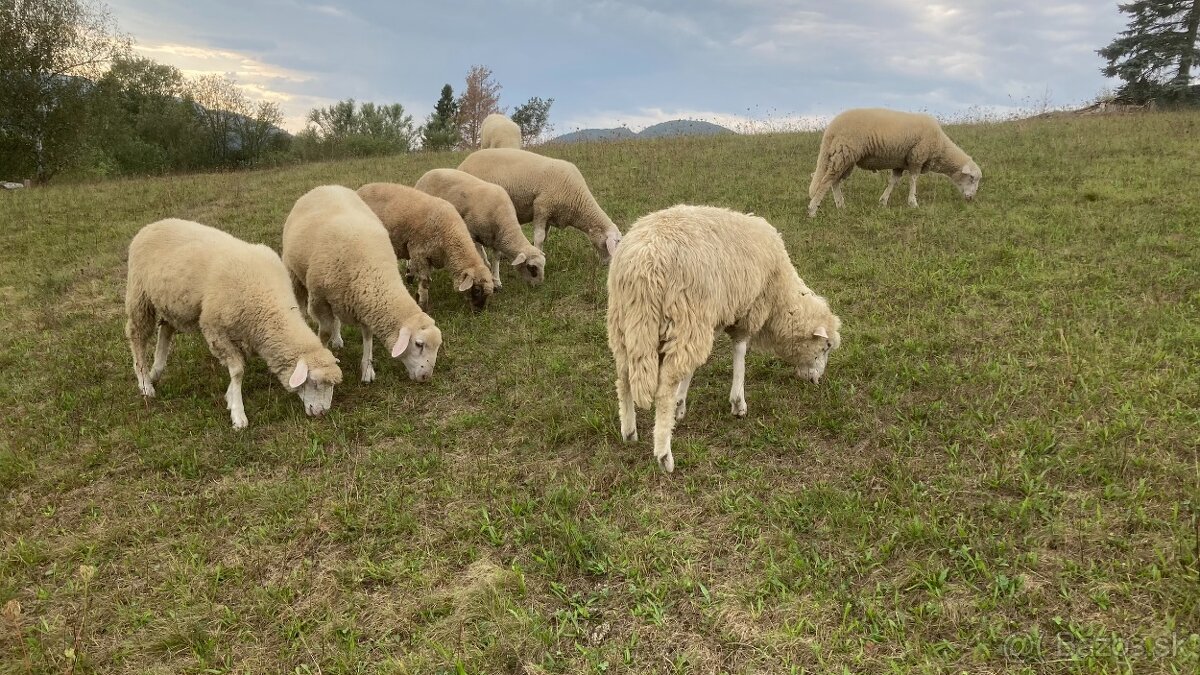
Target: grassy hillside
<point>998,474</point>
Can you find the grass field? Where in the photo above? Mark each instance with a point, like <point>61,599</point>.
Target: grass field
<point>998,474</point>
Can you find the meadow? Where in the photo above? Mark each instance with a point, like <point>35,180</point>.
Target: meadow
<point>998,473</point>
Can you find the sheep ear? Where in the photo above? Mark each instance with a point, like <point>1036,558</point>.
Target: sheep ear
<point>465,284</point>
<point>611,245</point>
<point>299,375</point>
<point>820,332</point>
<point>519,259</point>
<point>966,168</point>
<point>401,342</point>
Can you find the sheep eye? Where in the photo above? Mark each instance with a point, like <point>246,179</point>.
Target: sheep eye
<point>419,343</point>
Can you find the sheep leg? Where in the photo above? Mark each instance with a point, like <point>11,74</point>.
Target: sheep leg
<point>495,263</point>
<point>138,329</point>
<point>231,357</point>
<point>300,292</point>
<point>681,396</point>
<point>423,287</point>
<point>737,392</point>
<point>838,200</point>
<point>664,421</point>
<point>329,327</point>
<point>893,180</point>
<point>541,220</point>
<point>913,174</point>
<point>165,332</point>
<point>625,405</point>
<point>368,369</point>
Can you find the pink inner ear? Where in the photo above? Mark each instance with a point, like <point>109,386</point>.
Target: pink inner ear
<point>820,332</point>
<point>401,342</point>
<point>299,375</point>
<point>465,284</point>
<point>611,244</point>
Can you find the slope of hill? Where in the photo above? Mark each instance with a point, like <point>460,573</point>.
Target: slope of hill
<point>997,473</point>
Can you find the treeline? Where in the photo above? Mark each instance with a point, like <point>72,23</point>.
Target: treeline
<point>75,100</point>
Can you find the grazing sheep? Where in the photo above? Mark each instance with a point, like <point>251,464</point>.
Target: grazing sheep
<point>548,192</point>
<point>429,233</point>
<point>685,272</point>
<point>877,139</point>
<point>491,219</point>
<point>184,277</point>
<point>344,270</point>
<point>499,132</point>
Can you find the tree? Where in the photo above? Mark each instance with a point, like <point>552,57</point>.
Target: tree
<point>440,132</point>
<point>480,99</point>
<point>140,123</point>
<point>1156,53</point>
<point>50,52</point>
<point>533,117</point>
<point>346,129</point>
<point>220,107</point>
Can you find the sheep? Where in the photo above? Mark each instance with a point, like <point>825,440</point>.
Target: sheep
<point>498,131</point>
<point>187,277</point>
<point>428,232</point>
<point>344,270</point>
<point>491,219</point>
<point>548,192</point>
<point>681,275</point>
<point>879,139</point>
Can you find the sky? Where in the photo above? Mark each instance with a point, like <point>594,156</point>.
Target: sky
<point>748,64</point>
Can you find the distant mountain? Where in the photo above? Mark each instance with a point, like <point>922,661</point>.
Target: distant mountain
<point>683,128</point>
<point>617,134</point>
<point>661,130</point>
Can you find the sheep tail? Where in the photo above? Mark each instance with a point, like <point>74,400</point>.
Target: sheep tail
<point>635,315</point>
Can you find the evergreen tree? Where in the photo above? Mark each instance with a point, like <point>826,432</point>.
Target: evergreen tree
<point>1156,53</point>
<point>440,132</point>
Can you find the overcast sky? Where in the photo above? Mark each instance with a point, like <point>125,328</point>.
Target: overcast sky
<point>638,62</point>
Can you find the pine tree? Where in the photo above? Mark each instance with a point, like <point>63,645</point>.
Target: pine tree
<point>440,132</point>
<point>1156,53</point>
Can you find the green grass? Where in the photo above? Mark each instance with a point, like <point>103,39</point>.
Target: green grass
<point>999,473</point>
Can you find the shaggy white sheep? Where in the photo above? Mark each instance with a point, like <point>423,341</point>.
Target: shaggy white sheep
<point>498,131</point>
<point>547,192</point>
<point>491,219</point>
<point>684,273</point>
<point>344,270</point>
<point>428,232</point>
<point>878,139</point>
<point>184,277</point>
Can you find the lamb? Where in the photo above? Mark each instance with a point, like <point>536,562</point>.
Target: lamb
<point>498,131</point>
<point>548,192</point>
<point>344,270</point>
<point>428,232</point>
<point>879,139</point>
<point>185,277</point>
<point>685,272</point>
<point>491,219</point>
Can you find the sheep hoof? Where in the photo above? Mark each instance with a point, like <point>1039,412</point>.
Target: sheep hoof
<point>336,342</point>
<point>912,203</point>
<point>666,463</point>
<point>368,373</point>
<point>239,419</point>
<point>630,436</point>
<point>147,389</point>
<point>156,375</point>
<point>738,406</point>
